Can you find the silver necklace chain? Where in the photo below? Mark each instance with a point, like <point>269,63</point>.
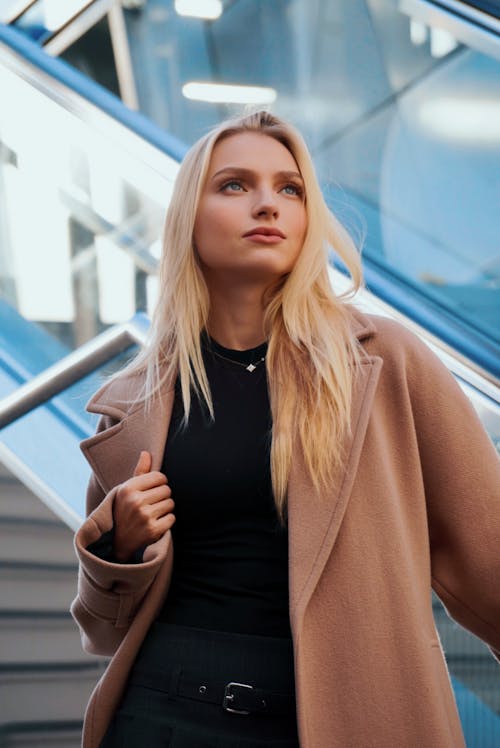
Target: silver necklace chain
<point>248,367</point>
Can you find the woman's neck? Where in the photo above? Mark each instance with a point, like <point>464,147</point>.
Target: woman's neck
<point>236,319</point>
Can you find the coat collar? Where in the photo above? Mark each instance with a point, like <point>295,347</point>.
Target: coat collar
<point>313,520</point>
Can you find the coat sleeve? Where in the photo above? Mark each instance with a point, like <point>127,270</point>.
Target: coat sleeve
<point>461,474</point>
<point>109,594</point>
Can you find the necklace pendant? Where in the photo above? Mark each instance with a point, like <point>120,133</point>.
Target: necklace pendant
<point>250,367</point>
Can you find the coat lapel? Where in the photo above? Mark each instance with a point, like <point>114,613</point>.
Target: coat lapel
<point>314,519</point>
<point>113,453</point>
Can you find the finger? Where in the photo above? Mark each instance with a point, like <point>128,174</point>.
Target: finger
<point>165,523</point>
<point>148,480</point>
<point>162,508</point>
<point>153,495</point>
<point>143,463</point>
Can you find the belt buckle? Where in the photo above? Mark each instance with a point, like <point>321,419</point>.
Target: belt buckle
<point>229,697</point>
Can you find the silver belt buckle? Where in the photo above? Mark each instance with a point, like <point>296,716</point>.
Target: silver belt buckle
<point>229,697</point>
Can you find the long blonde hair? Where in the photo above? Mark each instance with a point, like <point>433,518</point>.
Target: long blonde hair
<point>311,346</point>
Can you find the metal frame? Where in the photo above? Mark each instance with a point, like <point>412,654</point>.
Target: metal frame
<point>90,14</point>
<point>70,369</point>
<point>469,25</point>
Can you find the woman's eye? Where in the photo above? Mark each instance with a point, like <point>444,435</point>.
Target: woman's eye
<point>292,189</point>
<point>232,186</point>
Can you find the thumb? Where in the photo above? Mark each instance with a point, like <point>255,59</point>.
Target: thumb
<point>143,464</point>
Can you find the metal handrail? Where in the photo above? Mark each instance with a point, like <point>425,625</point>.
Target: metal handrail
<point>70,369</point>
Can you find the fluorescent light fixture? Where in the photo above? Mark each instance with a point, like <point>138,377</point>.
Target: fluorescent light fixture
<point>466,120</point>
<point>209,9</point>
<point>222,93</point>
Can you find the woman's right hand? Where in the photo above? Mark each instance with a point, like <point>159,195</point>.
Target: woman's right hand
<point>142,510</point>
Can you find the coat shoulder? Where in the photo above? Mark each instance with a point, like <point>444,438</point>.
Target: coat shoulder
<point>409,363</point>
<point>381,335</point>
<point>393,341</point>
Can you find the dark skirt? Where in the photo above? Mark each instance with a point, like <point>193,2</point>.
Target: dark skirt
<point>179,666</point>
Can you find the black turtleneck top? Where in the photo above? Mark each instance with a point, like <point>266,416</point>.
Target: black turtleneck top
<point>230,569</point>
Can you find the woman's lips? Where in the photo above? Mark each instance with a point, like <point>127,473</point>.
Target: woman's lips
<point>264,235</point>
<point>264,238</point>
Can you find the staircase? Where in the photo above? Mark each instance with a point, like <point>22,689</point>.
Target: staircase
<point>45,677</point>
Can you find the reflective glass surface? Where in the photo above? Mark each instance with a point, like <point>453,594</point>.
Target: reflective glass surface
<point>402,117</point>
<point>82,204</point>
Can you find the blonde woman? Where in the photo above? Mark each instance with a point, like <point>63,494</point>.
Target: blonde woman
<point>278,481</point>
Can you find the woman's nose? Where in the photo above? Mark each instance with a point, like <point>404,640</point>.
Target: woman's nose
<point>266,204</point>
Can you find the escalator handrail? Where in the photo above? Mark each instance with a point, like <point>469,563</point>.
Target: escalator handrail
<point>73,367</point>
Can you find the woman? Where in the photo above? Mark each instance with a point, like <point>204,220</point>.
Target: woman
<point>317,471</point>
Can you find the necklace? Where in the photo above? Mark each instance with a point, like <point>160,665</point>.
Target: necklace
<point>248,367</point>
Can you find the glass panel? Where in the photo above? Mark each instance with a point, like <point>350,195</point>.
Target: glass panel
<point>81,213</point>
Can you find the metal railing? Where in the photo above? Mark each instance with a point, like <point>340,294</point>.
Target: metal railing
<point>72,368</point>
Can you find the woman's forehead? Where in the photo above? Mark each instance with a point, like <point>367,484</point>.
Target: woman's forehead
<point>249,150</point>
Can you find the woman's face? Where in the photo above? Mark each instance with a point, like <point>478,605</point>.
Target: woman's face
<point>251,219</point>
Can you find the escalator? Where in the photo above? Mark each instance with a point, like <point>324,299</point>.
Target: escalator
<point>84,182</point>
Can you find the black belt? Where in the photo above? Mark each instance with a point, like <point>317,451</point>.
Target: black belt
<point>239,698</point>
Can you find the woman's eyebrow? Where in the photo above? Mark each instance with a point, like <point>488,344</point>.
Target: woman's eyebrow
<point>248,173</point>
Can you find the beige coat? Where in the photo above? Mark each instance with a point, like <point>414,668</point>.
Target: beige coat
<point>416,504</point>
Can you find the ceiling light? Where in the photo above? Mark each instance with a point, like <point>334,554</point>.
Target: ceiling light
<point>467,120</point>
<point>208,9</point>
<point>222,93</point>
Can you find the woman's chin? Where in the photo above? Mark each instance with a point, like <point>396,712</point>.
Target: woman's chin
<point>249,273</point>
